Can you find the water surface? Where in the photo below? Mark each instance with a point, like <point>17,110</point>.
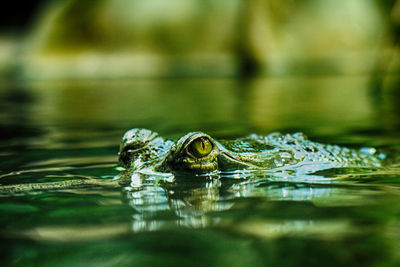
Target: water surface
<point>66,130</point>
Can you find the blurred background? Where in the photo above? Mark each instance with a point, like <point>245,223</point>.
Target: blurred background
<point>325,66</point>
<point>69,39</point>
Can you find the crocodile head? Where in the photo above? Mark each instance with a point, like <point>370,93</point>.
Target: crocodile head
<point>195,152</point>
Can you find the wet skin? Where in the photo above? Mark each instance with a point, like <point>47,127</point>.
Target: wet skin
<point>198,153</point>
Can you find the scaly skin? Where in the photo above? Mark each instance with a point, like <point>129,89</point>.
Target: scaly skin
<point>143,149</point>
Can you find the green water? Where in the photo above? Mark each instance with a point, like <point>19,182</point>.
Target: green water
<point>65,130</point>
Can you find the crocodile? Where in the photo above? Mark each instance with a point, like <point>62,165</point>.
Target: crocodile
<point>144,152</point>
<point>197,152</point>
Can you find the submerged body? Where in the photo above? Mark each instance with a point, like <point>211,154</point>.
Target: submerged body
<point>198,153</point>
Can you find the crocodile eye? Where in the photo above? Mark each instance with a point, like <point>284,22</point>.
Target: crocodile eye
<point>200,147</point>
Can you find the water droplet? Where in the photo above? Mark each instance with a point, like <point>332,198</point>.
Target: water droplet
<point>368,150</point>
<point>285,155</point>
<point>278,163</point>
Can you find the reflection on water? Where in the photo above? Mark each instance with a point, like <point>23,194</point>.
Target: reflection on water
<point>198,204</point>
<point>55,132</point>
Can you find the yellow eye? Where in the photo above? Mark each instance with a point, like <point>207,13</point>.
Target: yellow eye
<point>201,147</point>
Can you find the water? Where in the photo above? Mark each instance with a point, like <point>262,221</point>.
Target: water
<point>67,130</point>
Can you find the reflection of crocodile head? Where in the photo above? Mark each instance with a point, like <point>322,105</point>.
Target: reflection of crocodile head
<point>197,152</point>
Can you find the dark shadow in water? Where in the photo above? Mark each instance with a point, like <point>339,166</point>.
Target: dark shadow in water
<point>17,130</point>
<point>15,106</point>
